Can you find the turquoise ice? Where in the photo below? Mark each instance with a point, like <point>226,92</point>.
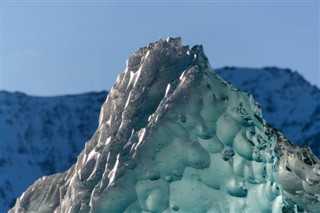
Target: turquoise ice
<point>175,137</point>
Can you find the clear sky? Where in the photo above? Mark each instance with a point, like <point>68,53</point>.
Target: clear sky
<point>67,47</point>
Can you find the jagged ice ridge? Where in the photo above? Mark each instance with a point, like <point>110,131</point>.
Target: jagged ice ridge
<point>174,137</point>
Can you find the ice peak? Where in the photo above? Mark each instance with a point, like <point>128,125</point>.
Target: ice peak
<point>174,136</point>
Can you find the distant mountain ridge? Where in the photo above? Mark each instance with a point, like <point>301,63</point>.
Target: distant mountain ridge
<point>289,102</point>
<point>41,136</point>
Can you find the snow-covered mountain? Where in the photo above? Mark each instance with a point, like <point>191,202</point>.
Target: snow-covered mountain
<point>288,102</point>
<point>42,136</point>
<point>173,136</point>
<point>21,113</point>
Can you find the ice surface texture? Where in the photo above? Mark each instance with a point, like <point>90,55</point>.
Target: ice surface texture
<point>174,137</point>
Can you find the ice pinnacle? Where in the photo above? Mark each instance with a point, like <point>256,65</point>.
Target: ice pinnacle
<point>175,137</point>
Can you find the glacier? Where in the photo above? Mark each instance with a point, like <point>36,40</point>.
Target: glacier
<point>173,136</point>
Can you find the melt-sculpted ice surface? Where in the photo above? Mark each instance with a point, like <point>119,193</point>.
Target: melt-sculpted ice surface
<point>174,137</point>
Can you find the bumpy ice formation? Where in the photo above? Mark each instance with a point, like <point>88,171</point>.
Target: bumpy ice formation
<point>175,137</point>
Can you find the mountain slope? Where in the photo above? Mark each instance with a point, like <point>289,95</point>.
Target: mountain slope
<point>286,98</point>
<point>174,136</point>
<point>288,101</point>
<point>41,136</point>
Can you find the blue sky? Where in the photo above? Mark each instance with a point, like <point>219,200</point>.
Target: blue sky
<point>67,47</point>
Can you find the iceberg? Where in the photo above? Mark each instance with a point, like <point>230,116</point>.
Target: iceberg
<point>173,136</point>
